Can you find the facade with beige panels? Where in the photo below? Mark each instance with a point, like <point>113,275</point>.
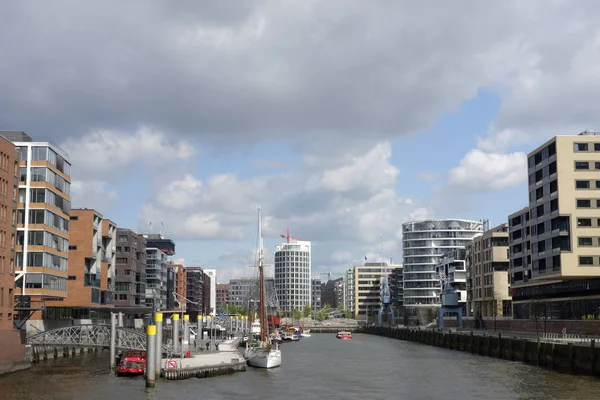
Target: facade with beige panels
<point>558,279</point>
<point>488,289</point>
<point>367,289</point>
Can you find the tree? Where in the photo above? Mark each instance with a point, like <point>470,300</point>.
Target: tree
<point>297,314</point>
<point>307,311</point>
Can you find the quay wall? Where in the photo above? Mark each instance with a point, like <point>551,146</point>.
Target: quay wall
<point>576,327</point>
<point>333,329</point>
<point>12,351</point>
<point>584,360</point>
<point>38,353</point>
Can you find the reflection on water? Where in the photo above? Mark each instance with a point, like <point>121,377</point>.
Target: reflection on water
<point>320,367</point>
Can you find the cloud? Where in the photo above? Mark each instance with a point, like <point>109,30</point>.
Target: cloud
<point>344,210</point>
<point>480,171</point>
<point>93,194</point>
<point>339,69</point>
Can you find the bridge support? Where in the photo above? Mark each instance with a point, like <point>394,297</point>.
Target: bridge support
<point>151,356</point>
<point>121,320</point>
<point>158,320</point>
<point>113,341</point>
<point>175,322</point>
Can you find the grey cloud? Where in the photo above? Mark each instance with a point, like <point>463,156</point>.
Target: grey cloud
<point>247,70</point>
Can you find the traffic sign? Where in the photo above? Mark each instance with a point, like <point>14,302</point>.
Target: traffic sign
<point>171,364</point>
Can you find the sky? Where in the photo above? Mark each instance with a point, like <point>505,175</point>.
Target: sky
<point>342,119</point>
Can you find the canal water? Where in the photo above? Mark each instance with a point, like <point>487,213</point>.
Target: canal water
<point>320,367</point>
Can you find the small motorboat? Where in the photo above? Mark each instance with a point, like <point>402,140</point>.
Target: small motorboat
<point>344,335</point>
<point>133,364</point>
<point>305,333</point>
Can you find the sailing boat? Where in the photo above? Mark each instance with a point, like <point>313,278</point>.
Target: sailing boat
<point>265,353</point>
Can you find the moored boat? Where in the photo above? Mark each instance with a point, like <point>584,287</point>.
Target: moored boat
<point>133,364</point>
<point>344,335</point>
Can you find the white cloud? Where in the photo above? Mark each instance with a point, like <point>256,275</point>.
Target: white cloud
<point>92,194</point>
<point>344,210</point>
<point>479,170</point>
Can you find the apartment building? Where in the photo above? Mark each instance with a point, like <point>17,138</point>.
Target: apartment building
<point>488,283</point>
<point>367,288</point>
<point>315,293</point>
<point>424,243</point>
<point>240,290</point>
<point>396,287</point>
<point>130,277</point>
<point>206,289</point>
<point>212,293</point>
<point>222,296</point>
<point>90,286</point>
<point>293,274</point>
<point>194,291</point>
<point>171,277</point>
<point>12,348</point>
<point>158,251</point>
<point>349,291</point>
<point>332,293</point>
<point>180,284</point>
<point>43,210</point>
<point>564,226</point>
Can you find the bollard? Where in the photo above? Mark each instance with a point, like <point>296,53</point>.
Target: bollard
<point>151,355</point>
<point>186,334</point>
<point>175,321</point>
<point>158,320</point>
<point>113,341</point>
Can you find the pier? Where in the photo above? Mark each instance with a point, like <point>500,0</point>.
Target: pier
<point>580,357</point>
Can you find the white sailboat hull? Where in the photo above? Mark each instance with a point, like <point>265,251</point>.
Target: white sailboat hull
<point>263,358</point>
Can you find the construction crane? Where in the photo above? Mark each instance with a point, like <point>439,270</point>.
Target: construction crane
<point>288,237</point>
<point>449,300</point>
<point>386,298</point>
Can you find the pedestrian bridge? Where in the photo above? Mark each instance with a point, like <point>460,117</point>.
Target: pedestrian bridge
<point>90,336</point>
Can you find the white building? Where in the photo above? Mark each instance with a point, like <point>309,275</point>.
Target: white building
<point>212,274</point>
<point>424,243</point>
<point>293,274</point>
<point>349,290</point>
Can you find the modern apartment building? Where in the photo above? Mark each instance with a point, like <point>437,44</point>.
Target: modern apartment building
<point>158,250</point>
<point>222,296</point>
<point>180,284</point>
<point>293,274</point>
<point>424,243</point>
<point>396,288</point>
<point>332,293</point>
<point>488,284</point>
<point>240,290</point>
<point>212,299</point>
<point>206,289</point>
<point>315,293</point>
<point>564,226</point>
<point>195,291</point>
<point>90,287</point>
<point>12,348</point>
<point>349,291</point>
<point>367,288</point>
<point>130,277</point>
<point>171,277</point>
<point>44,207</point>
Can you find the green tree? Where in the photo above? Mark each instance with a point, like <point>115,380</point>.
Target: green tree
<point>307,311</point>
<point>297,314</point>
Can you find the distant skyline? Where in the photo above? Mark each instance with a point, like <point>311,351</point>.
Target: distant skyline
<point>340,118</point>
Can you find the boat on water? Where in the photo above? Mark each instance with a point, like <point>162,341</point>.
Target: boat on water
<point>305,333</point>
<point>344,335</point>
<point>264,353</point>
<point>133,364</point>
<point>290,335</point>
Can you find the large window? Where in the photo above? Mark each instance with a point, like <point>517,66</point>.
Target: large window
<point>580,147</point>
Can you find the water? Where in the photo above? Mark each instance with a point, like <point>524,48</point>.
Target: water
<point>320,367</point>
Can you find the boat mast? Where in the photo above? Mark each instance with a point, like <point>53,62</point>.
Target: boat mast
<point>261,281</point>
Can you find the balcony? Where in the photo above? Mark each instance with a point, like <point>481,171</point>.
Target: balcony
<point>99,242</point>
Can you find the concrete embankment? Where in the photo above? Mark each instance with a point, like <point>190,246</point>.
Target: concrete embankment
<point>333,329</point>
<point>584,360</point>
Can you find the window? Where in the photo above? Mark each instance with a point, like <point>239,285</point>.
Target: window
<point>584,222</point>
<point>72,247</point>
<point>554,186</point>
<point>597,164</point>
<point>581,147</point>
<point>598,203</point>
<point>582,165</point>
<point>584,203</point>
<point>122,238</point>
<point>586,260</point>
<point>74,217</point>
<point>582,184</point>
<point>596,146</point>
<point>552,168</point>
<point>585,241</point>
